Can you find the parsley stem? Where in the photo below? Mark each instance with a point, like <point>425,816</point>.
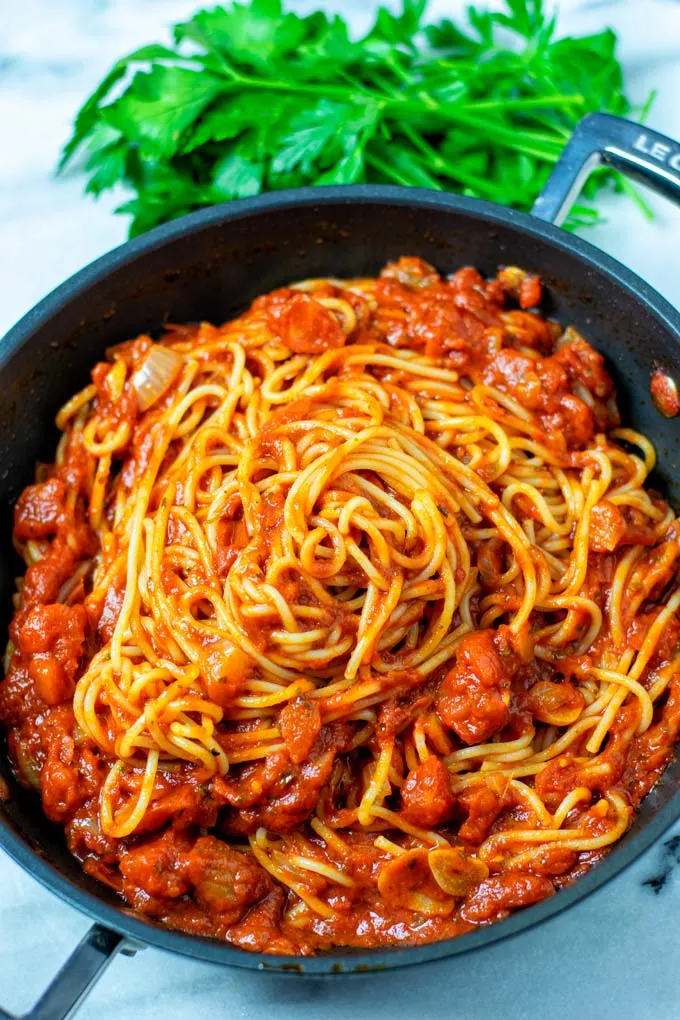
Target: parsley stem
<point>300,88</point>
<point>525,103</point>
<point>442,166</point>
<point>533,143</point>
<point>460,113</point>
<point>391,172</point>
<point>646,106</point>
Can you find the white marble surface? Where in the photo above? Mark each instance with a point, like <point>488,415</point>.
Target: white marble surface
<point>613,956</point>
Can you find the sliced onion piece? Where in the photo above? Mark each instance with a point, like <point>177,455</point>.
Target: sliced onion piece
<point>569,336</point>
<point>157,374</point>
<point>454,871</point>
<point>10,649</point>
<point>70,585</point>
<point>28,765</point>
<point>406,881</point>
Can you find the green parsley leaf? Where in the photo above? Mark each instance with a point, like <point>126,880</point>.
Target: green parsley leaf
<point>237,176</point>
<point>348,170</point>
<point>250,35</point>
<point>401,27</point>
<point>160,105</point>
<point>106,167</point>
<point>250,97</point>
<point>229,117</point>
<point>163,194</point>
<point>90,112</point>
<point>317,128</point>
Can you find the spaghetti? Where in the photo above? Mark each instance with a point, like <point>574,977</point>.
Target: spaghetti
<point>350,622</point>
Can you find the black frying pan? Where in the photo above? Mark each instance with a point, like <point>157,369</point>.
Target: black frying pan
<point>208,266</point>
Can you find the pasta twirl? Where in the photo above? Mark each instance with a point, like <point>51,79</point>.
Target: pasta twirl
<point>348,622</point>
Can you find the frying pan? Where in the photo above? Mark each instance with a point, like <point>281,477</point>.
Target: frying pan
<point>208,266</point>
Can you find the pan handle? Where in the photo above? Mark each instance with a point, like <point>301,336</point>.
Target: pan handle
<point>603,140</point>
<point>85,965</point>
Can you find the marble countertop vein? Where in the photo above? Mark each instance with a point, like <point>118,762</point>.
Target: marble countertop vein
<point>613,956</point>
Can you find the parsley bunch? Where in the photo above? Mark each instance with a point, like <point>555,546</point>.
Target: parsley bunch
<point>250,98</point>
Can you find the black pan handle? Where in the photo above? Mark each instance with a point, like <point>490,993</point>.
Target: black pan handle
<point>85,965</point>
<point>603,140</point>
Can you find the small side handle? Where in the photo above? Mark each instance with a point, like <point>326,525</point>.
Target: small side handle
<point>83,968</point>
<point>603,140</point>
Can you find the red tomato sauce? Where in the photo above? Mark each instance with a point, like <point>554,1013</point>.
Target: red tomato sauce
<point>188,865</point>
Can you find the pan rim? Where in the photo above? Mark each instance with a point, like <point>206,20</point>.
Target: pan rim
<point>138,932</point>
<point>401,197</point>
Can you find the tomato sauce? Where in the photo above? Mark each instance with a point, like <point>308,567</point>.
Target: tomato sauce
<point>188,864</point>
